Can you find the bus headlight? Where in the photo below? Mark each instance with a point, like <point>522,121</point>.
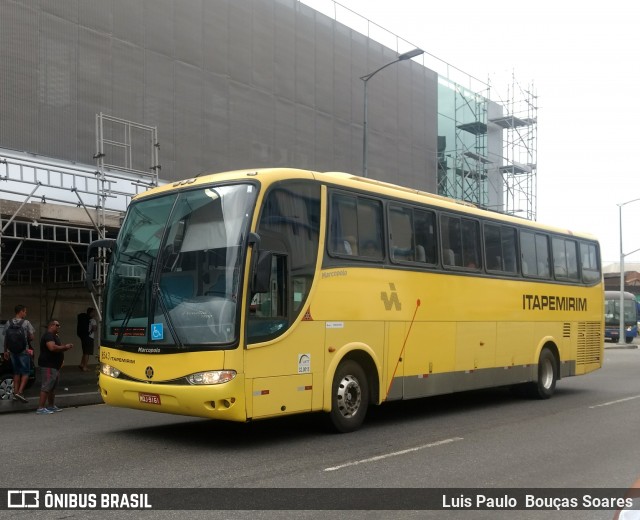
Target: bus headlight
<point>213,377</point>
<point>108,370</point>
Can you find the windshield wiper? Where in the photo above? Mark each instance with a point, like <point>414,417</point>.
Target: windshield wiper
<point>127,316</point>
<point>159,297</point>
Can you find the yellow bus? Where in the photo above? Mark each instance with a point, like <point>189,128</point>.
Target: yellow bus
<point>256,294</point>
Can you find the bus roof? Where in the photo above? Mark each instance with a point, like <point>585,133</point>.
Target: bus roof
<point>612,295</point>
<point>347,180</point>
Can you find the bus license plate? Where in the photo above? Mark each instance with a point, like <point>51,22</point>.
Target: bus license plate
<point>149,398</point>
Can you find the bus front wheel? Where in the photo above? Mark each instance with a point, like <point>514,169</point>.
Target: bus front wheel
<point>349,397</point>
<point>545,386</point>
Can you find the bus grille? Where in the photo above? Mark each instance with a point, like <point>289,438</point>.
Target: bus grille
<point>566,330</point>
<point>589,342</point>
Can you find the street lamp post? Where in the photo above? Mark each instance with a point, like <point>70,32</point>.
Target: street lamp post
<point>405,56</point>
<point>622,255</point>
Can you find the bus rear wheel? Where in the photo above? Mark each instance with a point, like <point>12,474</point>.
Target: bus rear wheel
<point>545,386</point>
<point>349,397</point>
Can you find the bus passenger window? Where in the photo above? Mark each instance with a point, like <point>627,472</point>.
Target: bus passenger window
<point>589,262</point>
<point>356,227</point>
<point>535,254</point>
<point>500,248</point>
<point>461,242</point>
<point>565,258</point>
<point>425,236</point>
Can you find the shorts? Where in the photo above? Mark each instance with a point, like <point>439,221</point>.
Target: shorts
<point>87,345</point>
<point>49,378</point>
<point>21,363</point>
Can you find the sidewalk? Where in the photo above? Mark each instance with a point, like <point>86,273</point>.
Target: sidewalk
<point>75,388</point>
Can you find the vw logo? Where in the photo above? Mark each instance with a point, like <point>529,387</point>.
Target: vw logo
<point>148,372</point>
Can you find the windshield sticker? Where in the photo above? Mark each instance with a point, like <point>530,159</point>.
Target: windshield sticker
<point>157,331</point>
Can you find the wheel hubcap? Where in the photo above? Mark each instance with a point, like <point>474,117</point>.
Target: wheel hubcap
<point>546,377</point>
<point>349,396</point>
<point>6,388</point>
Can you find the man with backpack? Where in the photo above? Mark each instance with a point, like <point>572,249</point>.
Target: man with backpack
<point>18,334</point>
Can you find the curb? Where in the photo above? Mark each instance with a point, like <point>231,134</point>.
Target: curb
<point>64,400</point>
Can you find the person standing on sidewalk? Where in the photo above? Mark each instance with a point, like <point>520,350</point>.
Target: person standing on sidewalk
<point>18,334</point>
<point>86,331</point>
<point>50,361</point>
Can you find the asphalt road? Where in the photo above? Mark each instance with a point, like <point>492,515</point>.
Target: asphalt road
<point>587,435</point>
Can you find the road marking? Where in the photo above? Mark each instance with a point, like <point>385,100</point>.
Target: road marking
<point>395,453</point>
<point>616,402</point>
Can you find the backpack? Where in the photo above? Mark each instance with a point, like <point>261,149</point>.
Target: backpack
<point>82,328</point>
<point>15,337</point>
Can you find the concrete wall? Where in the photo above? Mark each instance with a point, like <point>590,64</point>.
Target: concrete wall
<point>229,84</point>
<point>43,305</point>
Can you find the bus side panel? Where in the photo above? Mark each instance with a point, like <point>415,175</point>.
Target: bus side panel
<point>429,359</point>
<point>281,362</point>
<point>395,361</point>
<point>515,343</point>
<point>343,337</point>
<point>281,395</point>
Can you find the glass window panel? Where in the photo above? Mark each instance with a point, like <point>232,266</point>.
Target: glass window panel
<point>425,236</point>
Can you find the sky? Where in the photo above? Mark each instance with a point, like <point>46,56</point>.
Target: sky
<point>583,59</point>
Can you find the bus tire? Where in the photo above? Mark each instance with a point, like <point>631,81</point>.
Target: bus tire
<point>545,386</point>
<point>349,397</point>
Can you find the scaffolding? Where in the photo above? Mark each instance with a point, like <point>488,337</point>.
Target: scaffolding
<point>51,210</point>
<point>462,168</point>
<point>518,165</point>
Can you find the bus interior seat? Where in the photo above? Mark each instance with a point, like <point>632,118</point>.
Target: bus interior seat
<point>449,257</point>
<point>496,264</point>
<point>543,269</point>
<point>349,245</point>
<point>421,256</point>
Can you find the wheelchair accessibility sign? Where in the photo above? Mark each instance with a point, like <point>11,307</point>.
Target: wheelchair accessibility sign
<point>157,331</point>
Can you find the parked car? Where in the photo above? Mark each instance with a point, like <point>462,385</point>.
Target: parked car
<point>6,370</point>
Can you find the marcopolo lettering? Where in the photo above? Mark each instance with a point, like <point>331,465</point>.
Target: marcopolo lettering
<point>535,302</point>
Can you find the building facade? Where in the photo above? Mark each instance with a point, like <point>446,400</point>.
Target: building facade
<point>224,84</point>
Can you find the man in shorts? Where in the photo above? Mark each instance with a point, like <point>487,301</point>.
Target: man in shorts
<point>50,361</point>
<point>20,360</point>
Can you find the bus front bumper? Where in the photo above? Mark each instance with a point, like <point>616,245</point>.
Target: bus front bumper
<point>224,401</point>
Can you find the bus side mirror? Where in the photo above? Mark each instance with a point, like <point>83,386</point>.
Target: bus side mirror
<point>106,243</point>
<point>262,273</point>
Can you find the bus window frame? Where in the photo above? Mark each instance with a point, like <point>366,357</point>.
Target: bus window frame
<point>479,242</point>
<point>413,208</point>
<point>330,237</point>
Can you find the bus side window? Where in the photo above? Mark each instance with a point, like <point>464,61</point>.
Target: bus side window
<point>356,226</point>
<point>401,233</point>
<point>461,236</point>
<point>425,236</point>
<point>451,245</point>
<point>535,254</point>
<point>589,257</point>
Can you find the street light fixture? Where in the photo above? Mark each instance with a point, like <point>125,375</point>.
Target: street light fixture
<point>622,255</point>
<point>405,56</point>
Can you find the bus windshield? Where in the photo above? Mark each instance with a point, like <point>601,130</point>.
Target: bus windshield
<point>612,311</point>
<point>174,278</point>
